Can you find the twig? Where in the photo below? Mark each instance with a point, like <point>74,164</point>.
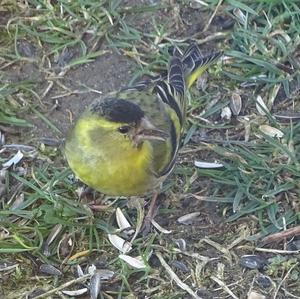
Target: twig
<point>48,88</point>
<point>231,284</point>
<point>212,16</point>
<point>284,279</point>
<point>291,232</point>
<point>277,250</point>
<point>217,35</point>
<point>67,284</point>
<point>223,286</point>
<point>67,94</point>
<point>79,255</point>
<point>174,277</point>
<point>196,255</point>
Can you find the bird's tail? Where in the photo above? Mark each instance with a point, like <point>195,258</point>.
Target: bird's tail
<point>195,63</point>
<point>184,69</point>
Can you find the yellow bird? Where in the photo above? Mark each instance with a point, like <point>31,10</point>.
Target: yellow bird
<point>126,143</point>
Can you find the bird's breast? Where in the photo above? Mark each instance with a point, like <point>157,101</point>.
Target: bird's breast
<point>123,171</point>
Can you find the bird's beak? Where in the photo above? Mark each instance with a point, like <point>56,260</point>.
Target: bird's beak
<point>147,131</point>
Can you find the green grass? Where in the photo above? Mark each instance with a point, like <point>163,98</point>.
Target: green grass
<point>258,187</point>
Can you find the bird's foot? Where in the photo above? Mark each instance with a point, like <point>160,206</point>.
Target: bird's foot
<point>146,227</point>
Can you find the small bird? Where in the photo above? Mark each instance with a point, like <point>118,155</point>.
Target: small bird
<point>126,143</point>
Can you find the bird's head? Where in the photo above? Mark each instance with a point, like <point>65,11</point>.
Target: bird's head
<point>121,122</point>
<point>111,148</point>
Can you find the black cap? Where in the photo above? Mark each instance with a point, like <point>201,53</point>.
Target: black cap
<point>117,110</point>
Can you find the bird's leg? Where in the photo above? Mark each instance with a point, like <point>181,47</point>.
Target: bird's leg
<point>150,215</point>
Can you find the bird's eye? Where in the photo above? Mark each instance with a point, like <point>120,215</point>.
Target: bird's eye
<point>123,129</point>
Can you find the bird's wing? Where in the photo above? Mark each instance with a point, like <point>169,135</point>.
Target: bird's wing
<point>164,103</point>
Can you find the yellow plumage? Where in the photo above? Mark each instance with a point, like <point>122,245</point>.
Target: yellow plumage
<point>126,143</point>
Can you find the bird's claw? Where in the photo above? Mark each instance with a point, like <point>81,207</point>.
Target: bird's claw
<point>146,227</point>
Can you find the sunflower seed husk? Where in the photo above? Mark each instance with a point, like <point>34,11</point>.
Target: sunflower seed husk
<point>240,16</point>
<point>188,218</point>
<point>121,244</point>
<point>14,160</point>
<point>271,131</point>
<point>95,285</point>
<point>105,274</point>
<point>255,295</point>
<point>18,201</point>
<point>49,269</point>
<point>121,220</point>
<point>79,271</point>
<point>209,165</point>
<point>160,228</point>
<point>261,106</point>
<point>4,233</point>
<point>273,95</point>
<point>236,103</point>
<point>92,269</point>
<point>253,261</point>
<point>135,262</point>
<point>53,234</point>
